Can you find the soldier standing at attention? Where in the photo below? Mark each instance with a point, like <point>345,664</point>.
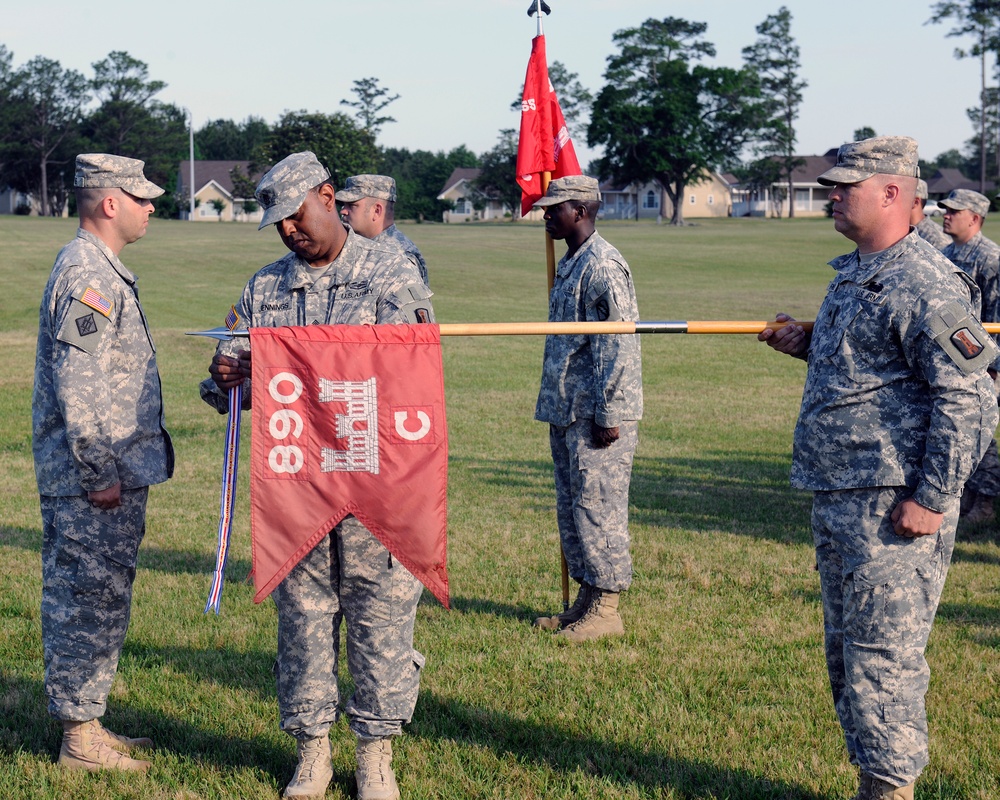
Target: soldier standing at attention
<point>926,227</point>
<point>897,410</point>
<point>333,276</point>
<point>964,214</point>
<point>99,444</point>
<point>591,396</point>
<point>368,205</point>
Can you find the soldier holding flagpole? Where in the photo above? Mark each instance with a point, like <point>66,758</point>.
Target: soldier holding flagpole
<point>897,410</point>
<point>591,396</point>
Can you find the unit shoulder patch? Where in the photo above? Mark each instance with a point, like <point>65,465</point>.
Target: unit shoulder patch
<point>83,327</point>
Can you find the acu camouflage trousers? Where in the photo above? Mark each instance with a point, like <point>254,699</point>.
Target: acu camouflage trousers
<point>880,595</point>
<point>88,567</point>
<point>349,576</point>
<point>592,486</point>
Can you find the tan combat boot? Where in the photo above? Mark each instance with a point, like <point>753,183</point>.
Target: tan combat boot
<point>125,744</point>
<point>85,746</point>
<point>314,771</point>
<point>570,615</point>
<point>376,780</point>
<point>876,789</point>
<point>599,619</point>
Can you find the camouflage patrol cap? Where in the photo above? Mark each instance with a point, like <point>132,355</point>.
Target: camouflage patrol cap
<point>880,155</point>
<point>284,187</point>
<point>105,171</point>
<point>966,198</point>
<point>572,187</point>
<point>381,186</point>
<point>922,189</point>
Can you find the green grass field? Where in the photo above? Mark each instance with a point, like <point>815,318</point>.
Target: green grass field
<point>718,690</point>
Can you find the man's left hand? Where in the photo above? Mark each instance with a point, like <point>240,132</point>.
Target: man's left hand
<point>106,499</point>
<point>909,518</point>
<point>603,437</point>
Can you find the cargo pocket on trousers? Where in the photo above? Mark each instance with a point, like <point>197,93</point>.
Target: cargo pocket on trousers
<point>903,710</point>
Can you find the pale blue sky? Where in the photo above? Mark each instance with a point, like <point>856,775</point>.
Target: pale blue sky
<point>458,64</point>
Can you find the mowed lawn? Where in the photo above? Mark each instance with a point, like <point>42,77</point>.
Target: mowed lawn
<point>718,690</point>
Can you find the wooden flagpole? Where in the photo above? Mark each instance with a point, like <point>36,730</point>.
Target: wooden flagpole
<point>557,328</point>
<point>550,272</point>
<point>675,326</point>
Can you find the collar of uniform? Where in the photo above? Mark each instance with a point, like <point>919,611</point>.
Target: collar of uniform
<point>336,273</point>
<point>849,266</point>
<point>126,275</point>
<point>972,244</point>
<point>566,263</point>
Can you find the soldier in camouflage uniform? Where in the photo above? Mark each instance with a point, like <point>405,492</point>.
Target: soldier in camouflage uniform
<point>964,214</point>
<point>926,228</point>
<point>896,411</point>
<point>368,205</point>
<point>332,276</point>
<point>99,444</point>
<point>591,396</point>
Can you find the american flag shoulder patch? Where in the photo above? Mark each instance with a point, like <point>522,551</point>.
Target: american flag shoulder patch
<point>232,318</point>
<point>97,301</point>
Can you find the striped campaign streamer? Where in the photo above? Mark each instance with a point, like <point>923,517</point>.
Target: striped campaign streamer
<point>230,465</point>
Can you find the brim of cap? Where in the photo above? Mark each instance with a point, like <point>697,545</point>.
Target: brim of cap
<point>143,189</point>
<point>541,202</point>
<point>349,196</point>
<point>836,175</point>
<point>280,211</point>
<point>272,215</point>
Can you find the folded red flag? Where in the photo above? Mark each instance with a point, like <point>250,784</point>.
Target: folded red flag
<point>348,419</point>
<point>544,143</point>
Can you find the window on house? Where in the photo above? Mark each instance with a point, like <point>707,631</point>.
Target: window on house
<point>462,206</point>
<point>691,199</point>
<point>711,200</point>
<point>650,200</point>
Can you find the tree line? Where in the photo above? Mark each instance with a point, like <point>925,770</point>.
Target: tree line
<point>662,114</point>
<point>49,114</point>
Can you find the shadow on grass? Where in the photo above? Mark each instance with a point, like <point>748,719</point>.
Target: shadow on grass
<point>969,614</point>
<point>743,493</point>
<point>477,605</point>
<point>26,726</point>
<point>623,764</point>
<point>966,551</point>
<point>746,494</point>
<point>24,538</point>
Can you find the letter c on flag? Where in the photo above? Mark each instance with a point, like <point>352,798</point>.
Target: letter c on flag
<point>412,436</point>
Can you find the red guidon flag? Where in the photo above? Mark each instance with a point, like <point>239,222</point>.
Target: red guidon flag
<point>348,419</point>
<point>544,144</point>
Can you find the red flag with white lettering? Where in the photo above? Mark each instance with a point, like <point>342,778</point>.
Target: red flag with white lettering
<point>348,419</point>
<point>544,144</point>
